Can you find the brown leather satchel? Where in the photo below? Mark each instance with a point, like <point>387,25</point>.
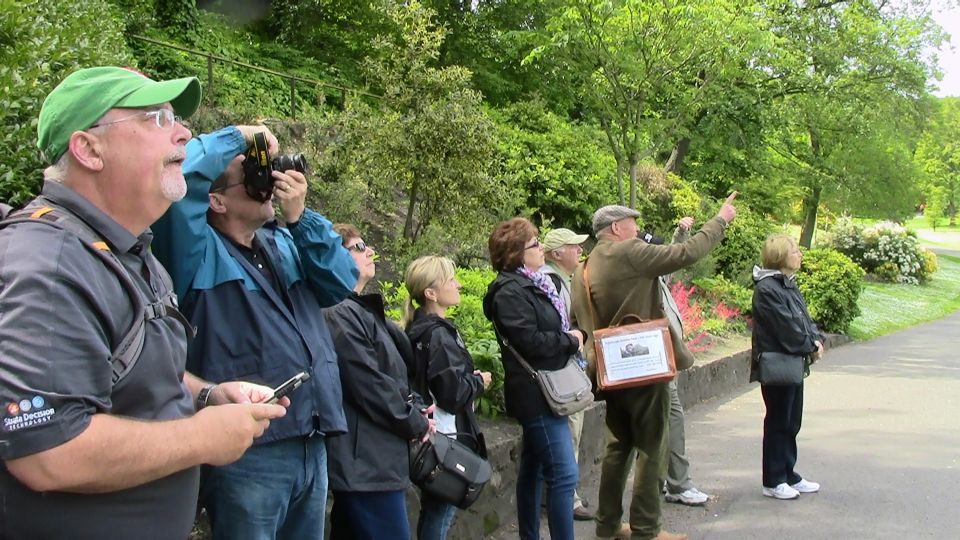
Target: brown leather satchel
<point>631,354</point>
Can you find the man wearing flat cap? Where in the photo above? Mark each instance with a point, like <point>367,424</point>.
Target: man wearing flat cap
<point>562,250</point>
<point>624,276</point>
<point>93,447</point>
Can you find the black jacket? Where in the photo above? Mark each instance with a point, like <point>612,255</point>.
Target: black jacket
<point>781,322</point>
<point>524,316</point>
<point>382,413</point>
<point>444,370</point>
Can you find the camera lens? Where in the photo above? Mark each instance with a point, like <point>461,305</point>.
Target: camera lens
<point>291,161</point>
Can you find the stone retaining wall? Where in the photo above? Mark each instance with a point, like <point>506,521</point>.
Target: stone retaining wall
<point>497,504</point>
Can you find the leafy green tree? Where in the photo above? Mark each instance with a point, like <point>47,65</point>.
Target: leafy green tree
<point>641,66</point>
<point>43,42</point>
<point>938,155</point>
<point>559,170</point>
<point>436,142</point>
<point>844,74</point>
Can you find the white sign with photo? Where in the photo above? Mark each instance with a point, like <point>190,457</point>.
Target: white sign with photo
<point>629,356</point>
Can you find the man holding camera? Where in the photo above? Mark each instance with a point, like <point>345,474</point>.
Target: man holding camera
<point>98,439</point>
<point>255,291</point>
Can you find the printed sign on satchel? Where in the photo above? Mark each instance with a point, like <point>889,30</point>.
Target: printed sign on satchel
<point>631,354</point>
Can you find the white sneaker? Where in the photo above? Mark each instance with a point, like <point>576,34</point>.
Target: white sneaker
<point>783,491</point>
<point>690,497</point>
<point>806,486</point>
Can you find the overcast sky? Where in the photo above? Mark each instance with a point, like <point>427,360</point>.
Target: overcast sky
<point>949,19</point>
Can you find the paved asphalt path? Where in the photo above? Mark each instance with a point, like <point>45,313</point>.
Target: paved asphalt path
<point>881,433</point>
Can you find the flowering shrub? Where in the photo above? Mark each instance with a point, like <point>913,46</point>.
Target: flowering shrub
<point>720,290</point>
<point>700,317</point>
<point>887,250</point>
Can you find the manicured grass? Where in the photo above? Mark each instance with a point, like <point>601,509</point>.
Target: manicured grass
<point>888,307</point>
<point>945,236</point>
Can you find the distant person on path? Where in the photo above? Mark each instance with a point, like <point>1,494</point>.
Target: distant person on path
<point>781,323</point>
<point>97,442</point>
<point>562,249</point>
<point>443,372</point>
<point>528,314</point>
<point>625,278</point>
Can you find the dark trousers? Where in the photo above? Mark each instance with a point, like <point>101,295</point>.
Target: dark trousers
<point>637,423</point>
<point>780,428</point>
<point>369,515</point>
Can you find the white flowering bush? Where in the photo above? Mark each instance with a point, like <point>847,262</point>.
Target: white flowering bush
<point>887,250</point>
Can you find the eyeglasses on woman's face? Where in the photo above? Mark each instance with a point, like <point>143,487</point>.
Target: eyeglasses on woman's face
<point>536,244</point>
<point>359,247</point>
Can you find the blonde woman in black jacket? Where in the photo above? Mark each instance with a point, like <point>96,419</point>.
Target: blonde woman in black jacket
<point>781,323</point>
<point>442,372</point>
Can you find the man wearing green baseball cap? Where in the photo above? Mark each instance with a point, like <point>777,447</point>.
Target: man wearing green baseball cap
<point>100,436</point>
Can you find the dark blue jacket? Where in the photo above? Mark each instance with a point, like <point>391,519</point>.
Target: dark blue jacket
<point>245,329</point>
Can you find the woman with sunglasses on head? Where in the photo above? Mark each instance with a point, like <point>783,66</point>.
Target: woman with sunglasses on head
<point>443,371</point>
<point>368,467</point>
<point>529,315</point>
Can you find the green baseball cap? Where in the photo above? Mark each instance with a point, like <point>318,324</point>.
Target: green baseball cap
<point>87,94</point>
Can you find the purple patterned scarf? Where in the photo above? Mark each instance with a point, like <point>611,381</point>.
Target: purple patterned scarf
<point>545,284</point>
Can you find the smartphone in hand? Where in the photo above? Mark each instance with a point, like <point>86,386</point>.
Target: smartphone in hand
<point>288,386</point>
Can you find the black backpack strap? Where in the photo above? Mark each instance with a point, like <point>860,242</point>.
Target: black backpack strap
<point>125,355</point>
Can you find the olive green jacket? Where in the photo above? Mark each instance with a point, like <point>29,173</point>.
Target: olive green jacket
<point>625,280</point>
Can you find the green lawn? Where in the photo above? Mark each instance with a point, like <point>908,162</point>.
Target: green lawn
<point>887,307</point>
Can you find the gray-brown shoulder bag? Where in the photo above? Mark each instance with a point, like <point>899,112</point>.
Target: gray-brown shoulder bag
<point>567,390</point>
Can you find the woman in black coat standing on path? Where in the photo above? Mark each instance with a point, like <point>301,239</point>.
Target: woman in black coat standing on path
<point>781,323</point>
<point>529,315</point>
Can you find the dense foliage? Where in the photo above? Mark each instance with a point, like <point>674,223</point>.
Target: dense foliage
<point>42,43</point>
<point>831,283</point>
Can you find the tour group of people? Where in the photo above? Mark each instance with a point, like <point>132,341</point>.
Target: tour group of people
<point>151,302</point>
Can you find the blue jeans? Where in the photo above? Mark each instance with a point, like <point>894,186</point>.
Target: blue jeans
<point>436,516</point>
<point>547,456</point>
<point>369,515</point>
<point>276,490</point>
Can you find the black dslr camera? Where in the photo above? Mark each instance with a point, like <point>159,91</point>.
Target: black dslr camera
<point>257,168</point>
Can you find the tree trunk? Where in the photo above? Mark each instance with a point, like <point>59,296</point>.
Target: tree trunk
<point>634,176</point>
<point>676,156</point>
<point>408,231</point>
<point>810,205</point>
<point>620,174</point>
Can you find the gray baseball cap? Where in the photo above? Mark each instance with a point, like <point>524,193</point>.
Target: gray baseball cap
<point>603,217</point>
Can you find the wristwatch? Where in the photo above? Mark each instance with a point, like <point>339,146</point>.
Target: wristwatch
<point>204,396</point>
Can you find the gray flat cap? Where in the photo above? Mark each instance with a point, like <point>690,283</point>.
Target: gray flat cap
<point>603,217</point>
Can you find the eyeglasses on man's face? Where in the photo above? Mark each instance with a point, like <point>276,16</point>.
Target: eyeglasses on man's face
<point>359,247</point>
<point>163,117</point>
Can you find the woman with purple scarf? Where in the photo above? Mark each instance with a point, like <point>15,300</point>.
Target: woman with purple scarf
<point>529,315</point>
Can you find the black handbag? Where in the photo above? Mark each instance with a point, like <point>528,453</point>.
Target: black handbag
<point>782,369</point>
<point>448,469</point>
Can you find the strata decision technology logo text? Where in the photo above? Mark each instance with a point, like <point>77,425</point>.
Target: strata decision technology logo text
<point>26,413</point>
